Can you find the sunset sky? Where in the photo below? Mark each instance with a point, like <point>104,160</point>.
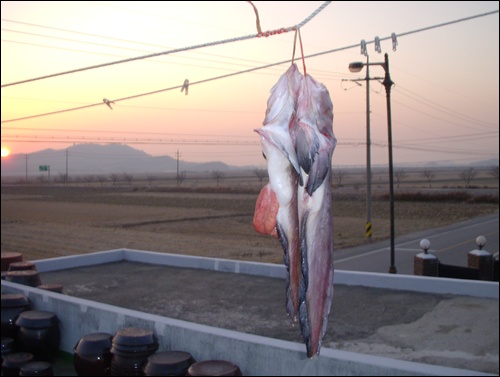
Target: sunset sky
<point>444,102</point>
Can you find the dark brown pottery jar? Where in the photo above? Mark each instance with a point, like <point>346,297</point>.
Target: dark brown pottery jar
<point>13,362</point>
<point>214,368</point>
<point>8,346</point>
<point>131,348</point>
<point>92,355</point>
<point>39,334</point>
<point>9,257</point>
<point>168,363</point>
<point>12,305</point>
<point>25,277</point>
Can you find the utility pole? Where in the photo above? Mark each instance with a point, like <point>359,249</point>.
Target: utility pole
<point>177,155</point>
<point>368,228</point>
<point>356,67</point>
<point>66,177</point>
<point>26,167</point>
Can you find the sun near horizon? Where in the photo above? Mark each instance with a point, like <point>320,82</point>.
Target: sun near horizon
<point>5,152</point>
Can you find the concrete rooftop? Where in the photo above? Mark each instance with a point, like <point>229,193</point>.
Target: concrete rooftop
<point>450,330</point>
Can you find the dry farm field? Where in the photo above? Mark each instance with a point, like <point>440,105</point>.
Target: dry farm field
<point>45,221</point>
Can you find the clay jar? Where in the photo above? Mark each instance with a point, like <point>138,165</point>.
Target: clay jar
<point>39,334</point>
<point>131,349</point>
<point>13,362</point>
<point>12,305</point>
<point>214,368</point>
<point>168,363</point>
<point>25,277</point>
<point>92,355</point>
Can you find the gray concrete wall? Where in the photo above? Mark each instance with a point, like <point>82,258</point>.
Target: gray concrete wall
<point>412,283</point>
<point>255,355</point>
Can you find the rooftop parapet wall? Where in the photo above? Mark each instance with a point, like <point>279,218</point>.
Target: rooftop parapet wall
<point>410,283</point>
<point>255,355</point>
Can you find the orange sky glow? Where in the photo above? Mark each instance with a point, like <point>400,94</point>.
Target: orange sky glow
<point>444,101</point>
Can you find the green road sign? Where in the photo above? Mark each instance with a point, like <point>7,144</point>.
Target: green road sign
<point>43,168</point>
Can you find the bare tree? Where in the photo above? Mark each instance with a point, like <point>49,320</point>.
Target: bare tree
<point>127,178</point>
<point>181,177</point>
<point>468,175</point>
<point>60,178</point>
<point>88,179</point>
<point>42,179</point>
<point>114,178</point>
<point>494,171</point>
<point>399,174</point>
<point>429,175</point>
<point>151,178</point>
<point>261,174</point>
<point>102,179</point>
<point>218,176</point>
<point>338,175</point>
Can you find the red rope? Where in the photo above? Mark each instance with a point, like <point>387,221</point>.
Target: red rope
<point>302,51</point>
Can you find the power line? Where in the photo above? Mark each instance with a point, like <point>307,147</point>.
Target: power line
<point>127,41</point>
<point>253,143</point>
<point>447,111</point>
<point>114,132</point>
<point>233,73</point>
<point>237,39</point>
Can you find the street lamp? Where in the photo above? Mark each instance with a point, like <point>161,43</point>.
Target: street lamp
<point>357,67</point>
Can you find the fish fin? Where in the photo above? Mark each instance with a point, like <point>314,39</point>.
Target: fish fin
<point>304,282</point>
<point>307,146</point>
<point>289,304</point>
<point>319,171</point>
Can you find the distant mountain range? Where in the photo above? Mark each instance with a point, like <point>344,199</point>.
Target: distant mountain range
<point>84,159</point>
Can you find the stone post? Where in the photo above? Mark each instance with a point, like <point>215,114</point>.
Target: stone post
<point>481,260</point>
<point>425,264</point>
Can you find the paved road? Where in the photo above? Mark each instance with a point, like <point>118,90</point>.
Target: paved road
<point>450,244</point>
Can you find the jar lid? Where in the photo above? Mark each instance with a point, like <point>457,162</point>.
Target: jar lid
<point>9,257</point>
<point>36,368</point>
<point>133,336</point>
<point>214,368</point>
<point>11,300</point>
<point>19,266</point>
<point>16,359</point>
<point>168,363</point>
<point>37,319</point>
<point>54,287</point>
<point>94,343</point>
<point>15,273</point>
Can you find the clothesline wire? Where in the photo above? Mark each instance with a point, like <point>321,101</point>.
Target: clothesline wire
<point>231,40</point>
<point>248,70</point>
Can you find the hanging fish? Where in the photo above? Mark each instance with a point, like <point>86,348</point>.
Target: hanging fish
<point>298,143</point>
<point>315,143</point>
<point>283,169</point>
